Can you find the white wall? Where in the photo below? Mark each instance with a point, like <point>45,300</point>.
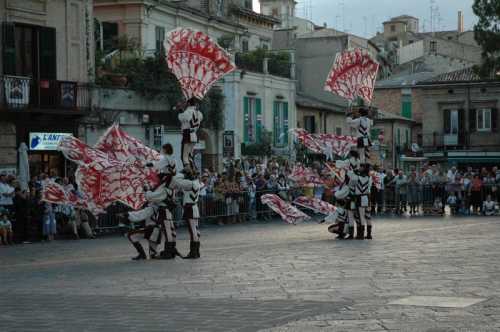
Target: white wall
<point>411,52</point>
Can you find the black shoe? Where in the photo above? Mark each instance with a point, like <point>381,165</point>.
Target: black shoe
<point>341,234</point>
<point>369,232</point>
<point>170,251</point>
<point>140,250</point>
<point>361,233</point>
<point>351,233</point>
<point>194,250</point>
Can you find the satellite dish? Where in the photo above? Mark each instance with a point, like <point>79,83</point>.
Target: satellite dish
<point>415,148</point>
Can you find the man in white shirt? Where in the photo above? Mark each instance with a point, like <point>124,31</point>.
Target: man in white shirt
<point>190,120</point>
<point>6,193</point>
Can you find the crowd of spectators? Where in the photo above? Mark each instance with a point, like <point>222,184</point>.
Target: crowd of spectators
<point>233,196</point>
<point>25,218</point>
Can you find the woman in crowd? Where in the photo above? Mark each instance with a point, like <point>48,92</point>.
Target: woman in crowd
<point>475,194</point>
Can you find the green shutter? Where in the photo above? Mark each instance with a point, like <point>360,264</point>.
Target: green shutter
<point>258,121</point>
<point>406,106</point>
<point>48,59</point>
<point>285,123</point>
<point>276,124</point>
<point>9,48</point>
<point>374,132</point>
<point>245,119</point>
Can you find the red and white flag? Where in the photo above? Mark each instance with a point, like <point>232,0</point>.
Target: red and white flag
<point>304,176</point>
<point>324,143</point>
<point>114,170</point>
<point>353,75</point>
<point>315,204</point>
<point>55,193</point>
<point>287,212</point>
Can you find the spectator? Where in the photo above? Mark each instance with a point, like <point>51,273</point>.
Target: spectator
<point>452,202</point>
<point>283,187</point>
<point>252,194</point>
<point>401,184</point>
<point>81,221</point>
<point>413,191</point>
<point>6,234</point>
<point>49,222</point>
<point>475,190</point>
<point>21,225</point>
<point>6,194</point>
<point>489,206</point>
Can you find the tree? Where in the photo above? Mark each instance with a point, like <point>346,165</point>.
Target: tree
<point>487,35</point>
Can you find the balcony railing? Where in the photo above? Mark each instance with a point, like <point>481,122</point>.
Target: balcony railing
<point>274,64</point>
<point>440,141</point>
<point>18,93</point>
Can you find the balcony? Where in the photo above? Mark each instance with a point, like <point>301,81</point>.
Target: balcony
<point>25,94</point>
<point>266,62</point>
<point>441,142</point>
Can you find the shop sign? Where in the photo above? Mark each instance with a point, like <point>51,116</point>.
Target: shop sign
<point>228,144</point>
<point>46,141</point>
<point>8,170</point>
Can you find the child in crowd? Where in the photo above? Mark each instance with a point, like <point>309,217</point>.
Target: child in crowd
<point>452,202</point>
<point>489,206</point>
<point>437,207</point>
<point>6,234</point>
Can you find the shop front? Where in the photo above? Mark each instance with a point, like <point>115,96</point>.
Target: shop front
<point>43,154</point>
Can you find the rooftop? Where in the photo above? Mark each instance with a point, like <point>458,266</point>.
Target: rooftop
<point>458,76</point>
<point>311,102</point>
<point>382,116</point>
<point>404,80</point>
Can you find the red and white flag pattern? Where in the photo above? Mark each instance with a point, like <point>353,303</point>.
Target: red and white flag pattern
<point>55,193</point>
<point>304,176</point>
<point>196,60</point>
<point>353,75</point>
<point>315,204</point>
<point>287,212</point>
<point>322,143</point>
<point>114,170</point>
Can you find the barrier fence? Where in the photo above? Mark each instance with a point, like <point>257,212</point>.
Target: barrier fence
<point>422,199</point>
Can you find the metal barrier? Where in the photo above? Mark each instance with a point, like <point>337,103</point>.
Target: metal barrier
<point>423,199</point>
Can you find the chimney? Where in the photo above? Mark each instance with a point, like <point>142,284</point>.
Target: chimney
<point>460,22</point>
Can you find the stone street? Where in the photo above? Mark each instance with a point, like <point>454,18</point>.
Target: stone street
<point>264,277</point>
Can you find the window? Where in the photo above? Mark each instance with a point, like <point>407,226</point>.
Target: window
<point>160,38</point>
<point>484,119</point>
<point>338,131</point>
<point>157,136</point>
<point>275,12</point>
<point>252,126</point>
<point>399,137</point>
<point>24,47</point>
<point>407,137</point>
<point>393,28</point>
<point>265,46</point>
<point>433,46</point>
<point>310,124</point>
<point>406,103</point>
<point>109,36</point>
<point>280,132</point>
<point>248,4</point>
<point>244,45</point>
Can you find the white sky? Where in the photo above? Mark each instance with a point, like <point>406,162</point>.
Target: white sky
<point>364,17</point>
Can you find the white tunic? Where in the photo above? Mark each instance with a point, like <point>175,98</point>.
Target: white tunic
<point>149,214</point>
<point>191,120</point>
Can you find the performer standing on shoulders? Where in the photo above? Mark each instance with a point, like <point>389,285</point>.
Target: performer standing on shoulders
<point>361,127</point>
<point>190,120</point>
<point>191,186</point>
<point>166,165</point>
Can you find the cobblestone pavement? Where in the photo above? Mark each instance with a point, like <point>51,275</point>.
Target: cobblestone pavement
<point>261,277</point>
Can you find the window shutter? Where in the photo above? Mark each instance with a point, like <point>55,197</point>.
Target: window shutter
<point>48,58</point>
<point>446,121</point>
<point>9,48</point>
<point>461,126</point>
<point>258,121</point>
<point>276,125</point>
<point>494,119</point>
<point>245,119</point>
<point>472,120</point>
<point>285,123</point>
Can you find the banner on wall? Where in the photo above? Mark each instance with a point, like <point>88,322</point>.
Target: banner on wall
<point>46,141</point>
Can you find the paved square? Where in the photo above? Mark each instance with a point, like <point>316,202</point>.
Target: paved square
<point>262,277</point>
<point>438,301</point>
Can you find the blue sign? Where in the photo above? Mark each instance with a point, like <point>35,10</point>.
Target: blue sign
<point>46,141</point>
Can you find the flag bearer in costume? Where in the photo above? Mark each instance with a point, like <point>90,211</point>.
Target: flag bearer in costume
<point>191,186</point>
<point>339,219</point>
<point>360,127</point>
<point>362,192</point>
<point>165,196</point>
<point>166,166</point>
<point>151,215</point>
<point>190,120</point>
